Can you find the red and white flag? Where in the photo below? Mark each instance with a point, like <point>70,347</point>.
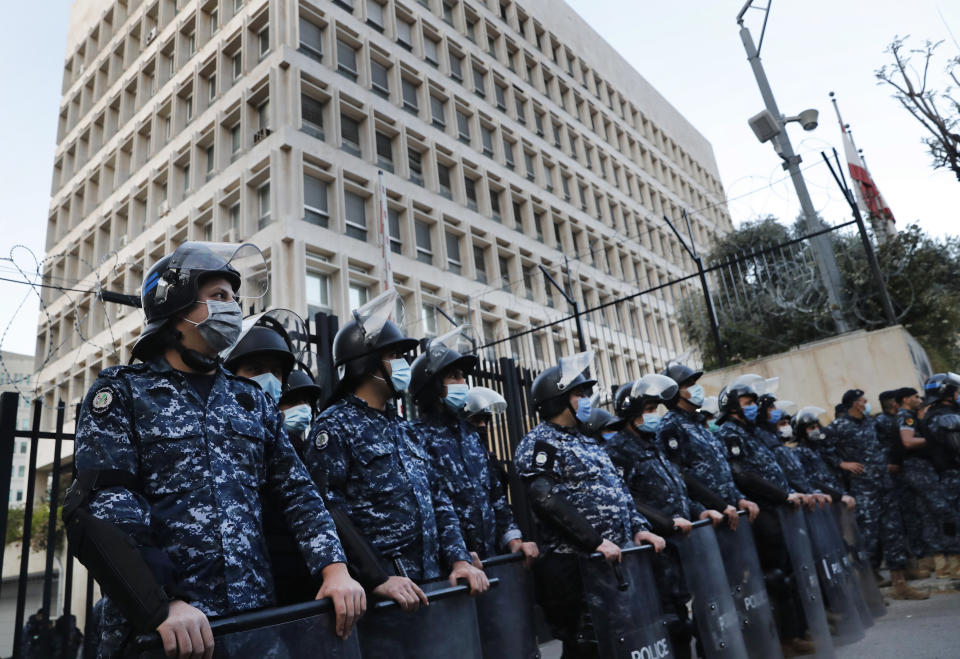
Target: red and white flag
<point>868,196</point>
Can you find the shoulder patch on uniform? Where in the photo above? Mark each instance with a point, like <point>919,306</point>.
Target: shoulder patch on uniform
<point>909,421</point>
<point>673,444</point>
<point>544,455</point>
<point>735,450</point>
<point>321,441</point>
<point>102,400</point>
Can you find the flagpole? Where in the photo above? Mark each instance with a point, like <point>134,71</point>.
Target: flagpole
<point>384,232</point>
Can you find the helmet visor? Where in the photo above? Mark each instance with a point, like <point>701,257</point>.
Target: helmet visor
<point>710,405</point>
<point>373,316</point>
<point>770,386</point>
<point>656,385</point>
<point>286,323</point>
<point>788,407</point>
<point>809,414</point>
<point>571,367</point>
<point>756,382</point>
<point>246,259</point>
<point>438,348</point>
<point>481,400</point>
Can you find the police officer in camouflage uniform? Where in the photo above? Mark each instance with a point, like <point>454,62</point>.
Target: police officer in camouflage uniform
<point>864,460</point>
<point>658,489</point>
<point>694,448</point>
<point>807,433</point>
<point>371,465</point>
<point>439,387</point>
<point>578,499</point>
<point>941,427</point>
<point>171,454</point>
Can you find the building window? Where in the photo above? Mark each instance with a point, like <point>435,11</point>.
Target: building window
<point>188,104</point>
<point>478,83</point>
<point>463,127</point>
<point>528,163</point>
<point>356,214</point>
<point>393,219</point>
<point>437,112</point>
<point>263,42</point>
<point>263,205</point>
<point>211,161</point>
<point>237,63</point>
<point>350,135</point>
<point>375,14</point>
<point>456,67</point>
<point>501,93</point>
<point>453,253</point>
<point>415,163</point>
<point>508,154</point>
<point>384,152</point>
<point>424,242</point>
<point>311,40</point>
<point>410,103</point>
<point>430,50</point>
<point>318,293</point>
<point>315,209</point>
<point>186,177</point>
<point>380,79</point>
<point>263,115</point>
<point>486,138</point>
<point>429,317</point>
<point>521,111</point>
<point>470,186</point>
<point>527,272</point>
<point>447,6</point>
<point>404,33</point>
<point>480,263</point>
<point>21,471</point>
<point>443,177</point>
<point>504,272</point>
<point>358,294</point>
<point>346,60</point>
<point>235,218</point>
<point>312,112</point>
<point>212,86</point>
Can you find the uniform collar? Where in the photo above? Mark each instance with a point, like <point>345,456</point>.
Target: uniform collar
<point>355,401</point>
<point>567,430</point>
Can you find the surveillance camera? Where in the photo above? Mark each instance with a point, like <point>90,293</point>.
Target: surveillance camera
<point>808,119</point>
<point>764,126</point>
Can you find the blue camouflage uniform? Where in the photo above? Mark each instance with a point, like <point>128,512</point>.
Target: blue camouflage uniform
<point>747,449</point>
<point>650,477</point>
<point>582,472</point>
<point>888,432</point>
<point>787,458</point>
<point>200,465</point>
<point>818,472</point>
<point>940,418</point>
<point>698,452</point>
<point>878,513</point>
<point>373,465</point>
<point>463,462</point>
<point>922,484</point>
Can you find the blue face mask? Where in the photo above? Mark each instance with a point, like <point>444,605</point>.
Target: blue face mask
<point>399,374</point>
<point>270,384</point>
<point>297,418</point>
<point>697,394</point>
<point>712,426</point>
<point>607,436</point>
<point>750,412</point>
<point>651,421</point>
<point>775,415</point>
<point>866,410</point>
<point>456,396</point>
<point>584,407</point>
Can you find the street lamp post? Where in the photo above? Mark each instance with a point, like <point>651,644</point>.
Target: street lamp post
<point>822,250</point>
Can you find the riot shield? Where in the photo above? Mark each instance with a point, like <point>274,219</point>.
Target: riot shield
<point>713,607</point>
<point>797,540</point>
<point>745,578</point>
<point>838,590</point>
<point>851,575</point>
<point>505,613</point>
<point>289,632</point>
<point>444,629</point>
<point>847,521</point>
<point>624,606</point>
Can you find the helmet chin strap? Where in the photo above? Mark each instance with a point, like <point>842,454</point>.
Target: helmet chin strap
<point>194,359</point>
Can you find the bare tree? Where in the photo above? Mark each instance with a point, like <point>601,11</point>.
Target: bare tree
<point>938,112</point>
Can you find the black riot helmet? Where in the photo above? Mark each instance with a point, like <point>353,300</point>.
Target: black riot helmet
<point>278,333</point>
<point>803,420</point>
<point>551,389</point>
<point>729,398</point>
<point>173,283</point>
<point>443,354</point>
<point>681,374</point>
<point>631,398</point>
<point>941,386</point>
<point>359,345</point>
<point>300,385</point>
<point>601,421</point>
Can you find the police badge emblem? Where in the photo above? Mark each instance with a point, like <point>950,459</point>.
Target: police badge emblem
<point>540,459</point>
<point>735,450</point>
<point>102,400</point>
<point>909,421</point>
<point>673,444</point>
<point>321,441</point>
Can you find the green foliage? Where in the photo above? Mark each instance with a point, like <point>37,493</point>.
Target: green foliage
<point>780,301</point>
<point>39,527</point>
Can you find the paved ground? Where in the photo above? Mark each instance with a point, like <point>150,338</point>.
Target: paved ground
<point>925,629</point>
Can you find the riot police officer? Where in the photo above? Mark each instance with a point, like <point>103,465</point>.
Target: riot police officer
<point>371,465</point>
<point>863,458</point>
<point>298,402</point>
<point>171,454</point>
<point>658,489</point>
<point>807,433</point>
<point>578,499</point>
<point>439,387</point>
<point>690,444</point>
<point>941,425</point>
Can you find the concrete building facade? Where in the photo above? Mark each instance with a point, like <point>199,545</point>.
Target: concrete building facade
<point>16,375</point>
<point>509,133</point>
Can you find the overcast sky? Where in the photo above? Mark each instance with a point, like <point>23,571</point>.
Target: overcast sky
<point>691,53</point>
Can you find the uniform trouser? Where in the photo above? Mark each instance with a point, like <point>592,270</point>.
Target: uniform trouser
<point>878,516</point>
<point>951,482</point>
<point>936,513</point>
<point>917,546</point>
<point>671,585</point>
<point>775,560</point>
<point>559,588</point>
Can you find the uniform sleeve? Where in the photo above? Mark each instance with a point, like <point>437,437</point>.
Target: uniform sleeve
<point>506,525</point>
<point>300,500</point>
<point>830,449</point>
<point>326,458</point>
<point>793,470</point>
<point>452,546</point>
<point>105,442</point>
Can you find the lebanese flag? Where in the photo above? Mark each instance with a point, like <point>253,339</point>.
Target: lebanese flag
<point>868,196</point>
